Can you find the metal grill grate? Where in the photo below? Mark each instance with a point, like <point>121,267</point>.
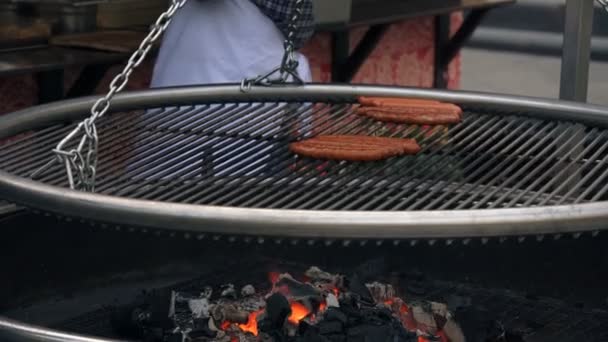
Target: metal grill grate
<point>237,155</point>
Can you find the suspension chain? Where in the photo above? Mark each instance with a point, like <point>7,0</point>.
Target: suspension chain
<point>81,161</point>
<point>289,64</point>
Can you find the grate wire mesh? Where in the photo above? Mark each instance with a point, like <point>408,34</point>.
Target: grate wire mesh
<point>237,155</point>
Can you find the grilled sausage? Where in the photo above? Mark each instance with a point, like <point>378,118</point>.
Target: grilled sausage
<point>415,115</point>
<point>393,101</point>
<point>354,148</point>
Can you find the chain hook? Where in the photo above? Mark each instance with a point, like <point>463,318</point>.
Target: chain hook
<point>80,162</point>
<point>289,63</point>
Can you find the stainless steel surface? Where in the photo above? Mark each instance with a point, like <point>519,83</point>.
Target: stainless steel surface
<point>576,50</point>
<point>332,12</point>
<point>497,167</point>
<point>13,331</point>
<point>69,18</point>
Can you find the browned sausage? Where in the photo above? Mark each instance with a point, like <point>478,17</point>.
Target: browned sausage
<point>414,115</point>
<point>393,101</point>
<point>354,148</point>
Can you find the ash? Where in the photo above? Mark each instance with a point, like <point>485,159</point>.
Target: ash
<point>315,307</point>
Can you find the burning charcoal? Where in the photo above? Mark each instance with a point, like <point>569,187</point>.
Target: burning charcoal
<point>277,311</point>
<point>288,286</point>
<point>229,313</point>
<point>247,291</point>
<point>228,291</point>
<point>381,292</point>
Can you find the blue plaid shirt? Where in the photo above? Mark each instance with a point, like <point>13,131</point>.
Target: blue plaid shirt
<point>280,11</point>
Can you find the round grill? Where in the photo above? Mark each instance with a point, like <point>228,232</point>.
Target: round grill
<point>214,159</point>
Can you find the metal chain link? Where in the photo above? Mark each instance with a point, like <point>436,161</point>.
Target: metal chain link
<point>81,161</point>
<point>289,64</point>
<point>604,4</point>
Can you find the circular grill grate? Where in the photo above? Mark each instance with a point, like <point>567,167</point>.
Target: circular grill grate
<point>237,155</point>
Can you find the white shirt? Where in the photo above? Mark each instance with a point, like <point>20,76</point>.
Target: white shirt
<point>219,41</point>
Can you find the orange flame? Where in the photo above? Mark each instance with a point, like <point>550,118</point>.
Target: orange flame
<point>298,312</point>
<point>252,323</point>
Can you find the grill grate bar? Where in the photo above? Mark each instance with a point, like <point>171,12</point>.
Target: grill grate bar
<point>397,180</point>
<point>188,193</point>
<point>159,144</point>
<point>283,167</point>
<point>117,139</point>
<point>385,202</point>
<point>574,189</point>
<point>544,161</point>
<point>549,180</point>
<point>319,174</point>
<point>478,170</point>
<point>501,173</point>
<point>488,176</point>
<point>236,154</point>
<point>487,147</point>
<point>280,163</point>
<point>233,147</point>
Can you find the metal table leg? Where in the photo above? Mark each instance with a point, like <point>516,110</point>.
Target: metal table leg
<point>442,38</point>
<point>88,80</point>
<point>50,85</point>
<point>576,50</point>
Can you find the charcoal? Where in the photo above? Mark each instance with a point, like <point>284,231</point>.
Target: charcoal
<point>247,291</point>
<point>333,314</point>
<point>277,311</point>
<point>296,289</point>
<point>356,286</point>
<point>201,329</point>
<point>228,291</point>
<point>330,327</point>
<point>365,333</point>
<point>228,312</point>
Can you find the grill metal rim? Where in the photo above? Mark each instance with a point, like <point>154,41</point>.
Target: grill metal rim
<point>309,223</point>
<point>306,223</point>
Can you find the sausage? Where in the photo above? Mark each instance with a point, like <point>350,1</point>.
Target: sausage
<point>393,101</point>
<point>354,147</point>
<point>415,115</point>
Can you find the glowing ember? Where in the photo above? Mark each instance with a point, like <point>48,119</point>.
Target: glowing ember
<point>322,306</point>
<point>226,325</point>
<point>298,312</point>
<point>273,277</point>
<point>252,324</point>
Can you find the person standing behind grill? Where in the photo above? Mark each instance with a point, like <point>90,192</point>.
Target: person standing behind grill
<point>225,41</point>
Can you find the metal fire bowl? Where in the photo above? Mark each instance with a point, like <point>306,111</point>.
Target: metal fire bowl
<point>586,123</point>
